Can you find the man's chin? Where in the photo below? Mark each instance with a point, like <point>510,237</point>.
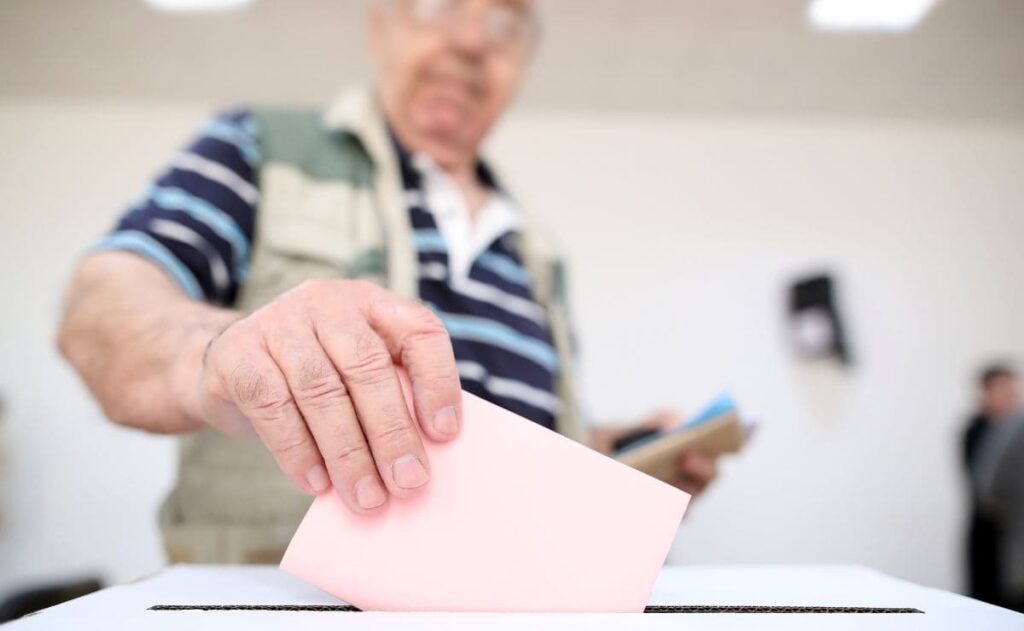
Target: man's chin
<point>452,140</point>
<point>444,128</point>
<point>447,152</point>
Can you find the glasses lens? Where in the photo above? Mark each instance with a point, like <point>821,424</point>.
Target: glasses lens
<point>505,26</point>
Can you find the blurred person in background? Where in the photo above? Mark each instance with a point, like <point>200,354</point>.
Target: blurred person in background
<point>258,297</point>
<point>993,448</point>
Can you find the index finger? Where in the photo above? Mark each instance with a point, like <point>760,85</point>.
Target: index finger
<point>416,337</point>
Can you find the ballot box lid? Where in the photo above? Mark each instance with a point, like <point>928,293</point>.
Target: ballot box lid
<point>720,597</point>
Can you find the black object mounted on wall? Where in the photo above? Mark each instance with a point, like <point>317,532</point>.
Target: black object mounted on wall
<point>815,323</point>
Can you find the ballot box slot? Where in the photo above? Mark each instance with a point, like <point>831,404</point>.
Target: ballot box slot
<point>679,609</point>
<point>774,609</point>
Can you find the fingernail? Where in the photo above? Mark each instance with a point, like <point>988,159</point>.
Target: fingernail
<point>318,479</point>
<point>369,492</point>
<point>409,472</point>
<point>446,421</point>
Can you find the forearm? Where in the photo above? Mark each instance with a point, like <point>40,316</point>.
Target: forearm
<point>137,341</point>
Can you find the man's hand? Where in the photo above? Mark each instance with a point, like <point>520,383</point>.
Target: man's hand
<point>313,374</point>
<point>695,470</point>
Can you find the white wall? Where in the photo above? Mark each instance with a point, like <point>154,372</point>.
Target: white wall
<point>80,494</point>
<point>707,220</point>
<point>924,225</point>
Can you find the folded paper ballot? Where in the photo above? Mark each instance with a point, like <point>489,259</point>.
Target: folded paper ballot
<point>717,429</point>
<point>514,518</point>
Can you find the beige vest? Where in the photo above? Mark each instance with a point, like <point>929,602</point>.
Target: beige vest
<point>331,207</point>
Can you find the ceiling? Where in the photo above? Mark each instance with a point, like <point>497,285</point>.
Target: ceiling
<point>695,57</point>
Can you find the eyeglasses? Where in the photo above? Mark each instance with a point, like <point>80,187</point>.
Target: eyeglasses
<point>508,27</point>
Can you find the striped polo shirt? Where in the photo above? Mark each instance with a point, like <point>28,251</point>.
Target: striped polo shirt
<point>196,221</point>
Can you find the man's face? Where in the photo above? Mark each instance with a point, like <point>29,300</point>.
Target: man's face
<point>1001,397</point>
<point>446,69</point>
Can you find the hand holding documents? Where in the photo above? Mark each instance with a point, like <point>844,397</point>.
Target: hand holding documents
<point>717,429</point>
<point>514,518</point>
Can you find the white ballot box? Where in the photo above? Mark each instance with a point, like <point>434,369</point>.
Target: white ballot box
<point>252,598</point>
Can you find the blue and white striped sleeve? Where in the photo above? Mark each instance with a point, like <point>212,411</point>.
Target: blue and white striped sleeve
<point>196,220</point>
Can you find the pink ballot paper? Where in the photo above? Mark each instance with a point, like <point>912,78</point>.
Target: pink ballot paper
<point>514,518</point>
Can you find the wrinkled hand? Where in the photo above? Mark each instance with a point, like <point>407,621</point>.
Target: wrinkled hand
<point>313,375</point>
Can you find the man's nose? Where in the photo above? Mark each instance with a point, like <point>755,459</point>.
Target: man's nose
<point>471,34</point>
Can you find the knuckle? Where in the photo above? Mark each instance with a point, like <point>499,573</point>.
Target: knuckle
<point>429,329</point>
<point>370,370</point>
<point>370,363</point>
<point>360,286</point>
<point>394,429</point>
<point>347,453</point>
<point>321,392</point>
<point>311,286</point>
<point>308,295</point>
<point>313,369</point>
<point>425,316</point>
<point>425,326</point>
<point>290,449</point>
<point>271,407</point>
<point>248,383</point>
<point>252,391</point>
<point>281,309</point>
<point>440,383</point>
<point>366,346</point>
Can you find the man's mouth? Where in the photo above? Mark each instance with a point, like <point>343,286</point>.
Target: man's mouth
<point>457,83</point>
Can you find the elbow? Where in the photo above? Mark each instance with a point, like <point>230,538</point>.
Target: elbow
<point>64,340</point>
<point>74,347</point>
<point>75,342</point>
<point>117,412</point>
<point>70,342</point>
<point>67,337</point>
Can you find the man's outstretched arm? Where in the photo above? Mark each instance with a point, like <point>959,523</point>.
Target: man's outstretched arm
<point>138,341</point>
<point>312,373</point>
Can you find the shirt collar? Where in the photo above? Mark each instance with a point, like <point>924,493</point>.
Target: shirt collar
<point>465,239</point>
<point>412,165</point>
<point>357,112</point>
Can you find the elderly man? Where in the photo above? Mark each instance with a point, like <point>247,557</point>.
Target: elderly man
<point>272,277</point>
